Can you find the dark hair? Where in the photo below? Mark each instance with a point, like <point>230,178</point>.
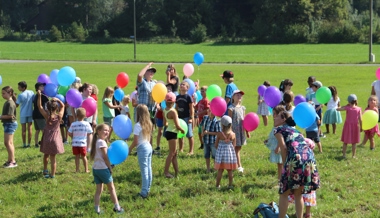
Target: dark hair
<point>83,87</point>
<point>284,83</point>
<point>288,99</point>
<point>10,91</point>
<point>334,92</point>
<point>280,109</point>
<point>22,84</point>
<point>266,83</point>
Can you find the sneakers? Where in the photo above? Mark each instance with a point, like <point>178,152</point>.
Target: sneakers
<point>157,149</point>
<point>121,210</point>
<point>240,169</point>
<point>9,164</point>
<point>36,145</point>
<point>322,136</point>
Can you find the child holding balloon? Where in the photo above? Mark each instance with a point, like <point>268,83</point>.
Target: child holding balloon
<point>201,110</point>
<point>263,108</point>
<point>318,106</point>
<point>228,78</point>
<point>210,126</point>
<point>108,108</point>
<point>332,116</point>
<point>101,169</point>
<point>370,133</point>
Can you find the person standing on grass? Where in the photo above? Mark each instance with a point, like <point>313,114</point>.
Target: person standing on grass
<point>38,119</point>
<point>8,118</point>
<point>309,89</point>
<point>228,78</point>
<point>51,143</point>
<point>263,108</point>
<point>101,169</point>
<point>318,106</point>
<point>202,108</point>
<point>25,101</point>
<point>210,127</point>
<point>369,134</point>
<point>81,134</point>
<point>86,90</point>
<point>172,78</point>
<point>109,108</point>
<point>332,116</point>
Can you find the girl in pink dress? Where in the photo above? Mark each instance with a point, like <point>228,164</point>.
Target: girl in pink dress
<point>370,133</point>
<point>353,124</point>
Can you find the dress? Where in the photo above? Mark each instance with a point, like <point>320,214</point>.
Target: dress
<point>300,168</point>
<point>375,129</point>
<point>272,145</point>
<point>263,108</point>
<point>51,142</point>
<point>225,157</point>
<point>332,116</point>
<point>237,124</point>
<point>351,128</point>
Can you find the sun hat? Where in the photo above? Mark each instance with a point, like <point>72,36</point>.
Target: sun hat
<point>237,91</point>
<point>170,97</point>
<point>318,84</point>
<point>226,120</point>
<point>352,97</point>
<point>227,74</point>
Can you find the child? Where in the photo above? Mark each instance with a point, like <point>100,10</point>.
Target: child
<point>318,106</point>
<point>51,143</point>
<point>312,132</point>
<point>332,116</point>
<point>171,122</point>
<point>225,157</point>
<point>102,169</point>
<point>263,109</point>
<point>38,119</point>
<point>210,128</point>
<point>237,112</point>
<point>353,124</point>
<point>95,92</point>
<point>228,78</point>
<point>63,127</point>
<point>370,133</point>
<point>287,100</point>
<point>309,90</point>
<point>184,106</point>
<point>285,85</point>
<point>142,131</point>
<point>8,118</point>
<point>81,134</point>
<point>201,108</point>
<point>25,99</point>
<point>159,116</point>
<point>125,106</point>
<point>108,108</point>
<point>172,78</point>
<point>116,102</point>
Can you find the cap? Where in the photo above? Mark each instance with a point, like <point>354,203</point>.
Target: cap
<point>170,97</point>
<point>38,84</point>
<point>227,74</point>
<point>152,69</point>
<point>317,84</point>
<point>352,97</point>
<point>237,91</point>
<point>226,120</point>
<point>77,80</point>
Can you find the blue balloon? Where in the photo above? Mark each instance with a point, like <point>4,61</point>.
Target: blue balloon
<point>122,126</point>
<point>118,152</point>
<point>191,90</point>
<point>199,96</point>
<point>54,76</point>
<point>198,58</point>
<point>163,105</point>
<point>119,95</point>
<point>304,115</point>
<point>61,97</point>
<point>51,90</point>
<point>66,76</point>
<point>1,80</point>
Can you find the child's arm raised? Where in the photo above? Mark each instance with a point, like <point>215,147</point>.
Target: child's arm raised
<point>61,107</point>
<point>140,76</point>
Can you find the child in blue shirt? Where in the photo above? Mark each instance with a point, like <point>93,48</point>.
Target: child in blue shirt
<point>312,132</point>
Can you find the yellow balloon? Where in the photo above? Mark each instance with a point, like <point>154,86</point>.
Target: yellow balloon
<point>159,92</point>
<point>369,119</point>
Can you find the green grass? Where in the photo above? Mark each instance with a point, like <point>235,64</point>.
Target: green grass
<point>349,187</point>
<point>294,53</point>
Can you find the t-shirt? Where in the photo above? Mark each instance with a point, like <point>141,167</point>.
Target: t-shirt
<point>314,99</point>
<point>108,112</point>
<point>9,108</point>
<point>175,86</point>
<point>314,126</point>
<point>309,91</point>
<point>145,93</point>
<point>36,113</point>
<point>137,131</point>
<point>80,130</point>
<point>134,95</point>
<point>99,163</point>
<point>25,100</point>
<point>183,107</point>
<point>229,91</point>
<point>202,105</point>
<point>125,110</point>
<point>333,104</point>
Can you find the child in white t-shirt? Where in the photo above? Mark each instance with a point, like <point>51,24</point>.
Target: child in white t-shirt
<point>125,106</point>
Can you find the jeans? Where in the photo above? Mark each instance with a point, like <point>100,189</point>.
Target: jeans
<point>144,156</point>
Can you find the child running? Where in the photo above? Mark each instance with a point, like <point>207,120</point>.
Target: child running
<point>332,116</point>
<point>102,169</point>
<point>353,124</point>
<point>263,108</point>
<point>370,133</point>
<point>225,157</point>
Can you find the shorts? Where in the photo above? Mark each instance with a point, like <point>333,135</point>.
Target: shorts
<point>319,112</point>
<point>170,135</point>
<point>107,120</point>
<point>313,135</point>
<point>209,150</point>
<point>79,151</point>
<point>189,127</point>
<point>10,128</point>
<point>64,121</point>
<point>24,120</point>
<point>39,124</point>
<point>159,122</point>
<point>102,176</point>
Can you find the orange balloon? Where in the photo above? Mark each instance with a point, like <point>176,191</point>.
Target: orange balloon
<point>159,92</point>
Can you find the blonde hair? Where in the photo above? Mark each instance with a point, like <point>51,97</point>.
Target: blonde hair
<point>81,113</point>
<point>126,98</point>
<point>227,129</point>
<point>95,89</point>
<point>373,97</point>
<point>204,88</point>
<point>143,117</point>
<point>108,92</point>
<point>99,127</point>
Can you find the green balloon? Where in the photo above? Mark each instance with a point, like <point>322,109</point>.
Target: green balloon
<point>184,126</point>
<point>213,91</point>
<point>63,90</point>
<point>323,95</point>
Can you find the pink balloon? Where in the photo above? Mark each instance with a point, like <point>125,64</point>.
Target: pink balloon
<point>90,105</point>
<point>218,106</point>
<point>378,73</point>
<point>43,78</point>
<point>188,70</point>
<point>251,121</point>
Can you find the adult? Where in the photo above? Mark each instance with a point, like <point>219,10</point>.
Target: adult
<point>134,100</point>
<point>172,78</point>
<point>376,91</point>
<point>86,91</point>
<point>228,78</point>
<point>25,101</point>
<point>38,118</point>
<point>299,175</point>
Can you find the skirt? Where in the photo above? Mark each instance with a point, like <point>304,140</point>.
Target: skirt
<point>263,109</point>
<point>332,116</point>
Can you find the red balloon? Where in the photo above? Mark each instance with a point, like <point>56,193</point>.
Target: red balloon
<point>122,79</point>
<point>251,121</point>
<point>90,105</point>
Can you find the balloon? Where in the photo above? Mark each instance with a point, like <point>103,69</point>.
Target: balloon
<point>51,90</point>
<point>378,73</point>
<point>261,90</point>
<point>184,126</point>
<point>63,90</point>
<point>191,89</point>
<point>122,79</point>
<point>304,115</point>
<point>159,92</point>
<point>118,152</point>
<point>369,119</point>
<point>218,106</point>
<point>43,78</point>
<point>213,91</point>
<point>272,96</point>
<point>66,76</point>
<point>323,95</point>
<point>188,70</point>
<point>299,99</point>
<point>251,121</point>
<point>199,95</point>
<point>1,80</point>
<point>61,97</point>
<point>198,58</point>
<point>163,105</point>
<point>90,105</point>
<point>119,95</point>
<point>122,126</point>
<point>54,76</point>
<point>74,98</point>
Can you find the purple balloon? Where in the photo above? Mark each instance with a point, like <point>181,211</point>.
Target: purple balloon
<point>50,90</point>
<point>43,78</point>
<point>272,96</point>
<point>74,98</point>
<point>299,99</point>
<point>261,90</point>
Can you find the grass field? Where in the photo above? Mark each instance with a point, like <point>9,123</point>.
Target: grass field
<point>349,187</point>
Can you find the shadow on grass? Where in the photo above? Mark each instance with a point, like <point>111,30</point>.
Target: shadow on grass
<point>25,177</point>
<point>131,177</point>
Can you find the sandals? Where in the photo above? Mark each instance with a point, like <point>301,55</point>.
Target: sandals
<point>169,176</point>
<point>45,172</point>
<point>49,176</point>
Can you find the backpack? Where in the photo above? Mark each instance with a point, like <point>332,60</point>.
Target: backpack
<point>267,210</point>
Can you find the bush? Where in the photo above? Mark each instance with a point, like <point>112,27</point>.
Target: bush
<point>198,34</point>
<point>78,32</point>
<point>54,34</point>
<point>296,33</point>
